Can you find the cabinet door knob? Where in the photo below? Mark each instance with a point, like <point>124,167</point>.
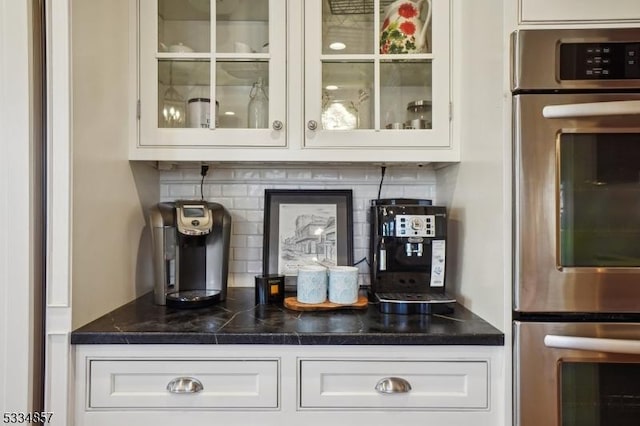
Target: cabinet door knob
<point>277,125</point>
<point>185,385</point>
<point>312,125</point>
<point>393,385</point>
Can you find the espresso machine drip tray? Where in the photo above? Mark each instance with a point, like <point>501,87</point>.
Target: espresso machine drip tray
<point>415,303</point>
<point>192,298</point>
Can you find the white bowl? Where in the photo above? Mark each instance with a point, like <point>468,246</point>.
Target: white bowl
<point>180,48</point>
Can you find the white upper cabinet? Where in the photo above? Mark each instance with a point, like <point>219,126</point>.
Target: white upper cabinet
<point>201,63</point>
<point>377,73</point>
<point>294,80</point>
<point>568,11</point>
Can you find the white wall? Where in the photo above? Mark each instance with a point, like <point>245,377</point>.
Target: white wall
<point>16,275</point>
<point>476,190</point>
<point>108,216</point>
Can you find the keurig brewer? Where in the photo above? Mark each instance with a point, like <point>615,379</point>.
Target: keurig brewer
<point>408,252</point>
<point>190,253</point>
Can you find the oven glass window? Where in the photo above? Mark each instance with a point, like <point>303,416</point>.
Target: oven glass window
<point>600,200</point>
<point>600,394</point>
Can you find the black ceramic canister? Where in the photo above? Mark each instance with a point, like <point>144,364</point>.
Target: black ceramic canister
<point>269,289</point>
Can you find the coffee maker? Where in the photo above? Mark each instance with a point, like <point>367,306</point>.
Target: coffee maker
<point>408,252</point>
<point>190,242</point>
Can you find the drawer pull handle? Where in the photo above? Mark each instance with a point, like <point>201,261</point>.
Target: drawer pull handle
<point>393,385</point>
<point>185,385</point>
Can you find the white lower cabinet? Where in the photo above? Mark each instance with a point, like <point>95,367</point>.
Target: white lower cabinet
<point>390,384</point>
<point>167,383</point>
<point>288,385</point>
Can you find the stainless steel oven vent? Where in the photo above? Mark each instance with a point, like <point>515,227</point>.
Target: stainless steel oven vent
<point>354,7</point>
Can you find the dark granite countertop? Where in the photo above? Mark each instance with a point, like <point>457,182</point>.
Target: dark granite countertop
<point>239,321</point>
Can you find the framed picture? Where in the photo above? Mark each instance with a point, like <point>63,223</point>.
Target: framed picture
<point>306,227</point>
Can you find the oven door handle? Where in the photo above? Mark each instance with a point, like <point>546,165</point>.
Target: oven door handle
<point>618,346</point>
<point>592,109</point>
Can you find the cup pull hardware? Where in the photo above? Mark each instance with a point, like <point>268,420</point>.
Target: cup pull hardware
<point>389,385</point>
<point>185,385</point>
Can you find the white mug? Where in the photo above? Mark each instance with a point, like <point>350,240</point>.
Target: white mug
<point>312,284</point>
<point>343,285</point>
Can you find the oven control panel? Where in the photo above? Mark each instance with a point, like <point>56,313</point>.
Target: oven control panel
<point>605,61</point>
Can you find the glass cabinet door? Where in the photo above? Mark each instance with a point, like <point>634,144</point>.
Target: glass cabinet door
<point>210,70</point>
<point>377,69</point>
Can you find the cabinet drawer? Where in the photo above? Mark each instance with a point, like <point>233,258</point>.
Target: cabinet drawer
<point>143,384</point>
<point>437,385</point>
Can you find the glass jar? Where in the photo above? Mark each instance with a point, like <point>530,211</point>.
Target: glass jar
<point>258,110</point>
<point>198,112</point>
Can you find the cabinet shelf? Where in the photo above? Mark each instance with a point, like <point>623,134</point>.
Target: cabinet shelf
<point>197,73</point>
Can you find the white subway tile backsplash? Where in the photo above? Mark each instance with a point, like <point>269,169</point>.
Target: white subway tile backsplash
<point>237,266</point>
<point>296,174</point>
<point>239,241</point>
<point>360,215</point>
<point>219,174</point>
<point>241,190</point>
<point>244,174</point>
<point>360,229</point>
<point>234,190</point>
<point>325,174</point>
<point>241,280</point>
<point>356,174</point>
<point>360,242</point>
<point>226,202</point>
<point>405,174</point>
<point>254,241</point>
<point>255,215</point>
<point>412,192</point>
<point>366,192</point>
<point>273,173</point>
<point>212,190</point>
<point>246,228</point>
<point>182,190</point>
<point>255,190</point>
<point>247,203</point>
<point>241,253</point>
<point>254,267</point>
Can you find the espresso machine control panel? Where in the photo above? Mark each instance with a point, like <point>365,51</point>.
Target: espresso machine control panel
<point>415,226</point>
<point>193,219</point>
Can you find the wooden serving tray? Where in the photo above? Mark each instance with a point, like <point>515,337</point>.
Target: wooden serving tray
<point>293,304</point>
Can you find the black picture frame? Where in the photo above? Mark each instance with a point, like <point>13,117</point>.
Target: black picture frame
<point>289,208</point>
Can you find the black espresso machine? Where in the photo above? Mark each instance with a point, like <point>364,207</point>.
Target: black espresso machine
<point>408,252</point>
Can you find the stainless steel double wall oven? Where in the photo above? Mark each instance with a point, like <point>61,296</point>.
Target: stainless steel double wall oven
<point>576,112</point>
